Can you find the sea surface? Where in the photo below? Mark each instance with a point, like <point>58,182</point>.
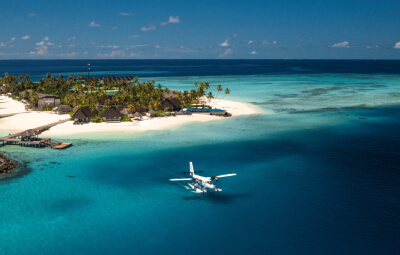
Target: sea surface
<point>320,175</point>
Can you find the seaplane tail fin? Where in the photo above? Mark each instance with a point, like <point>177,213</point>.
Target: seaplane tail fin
<point>191,169</point>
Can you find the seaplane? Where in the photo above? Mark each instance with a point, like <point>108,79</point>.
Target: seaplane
<point>201,183</point>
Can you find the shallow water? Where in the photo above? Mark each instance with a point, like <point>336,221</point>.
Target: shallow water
<point>319,182</point>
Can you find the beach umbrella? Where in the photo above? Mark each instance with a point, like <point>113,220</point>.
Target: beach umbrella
<point>151,111</point>
<point>137,115</point>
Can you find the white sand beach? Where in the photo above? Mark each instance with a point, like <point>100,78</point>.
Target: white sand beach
<point>26,119</point>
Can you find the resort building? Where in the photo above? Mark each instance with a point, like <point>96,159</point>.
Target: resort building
<point>83,114</point>
<point>63,109</point>
<point>123,109</point>
<point>48,100</point>
<point>112,115</point>
<point>172,104</point>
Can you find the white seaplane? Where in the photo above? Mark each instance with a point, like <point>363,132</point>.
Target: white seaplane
<point>201,183</point>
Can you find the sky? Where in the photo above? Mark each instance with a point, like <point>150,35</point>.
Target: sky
<point>206,29</point>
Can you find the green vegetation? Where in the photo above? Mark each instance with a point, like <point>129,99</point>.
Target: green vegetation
<point>96,119</point>
<point>79,92</point>
<point>126,119</point>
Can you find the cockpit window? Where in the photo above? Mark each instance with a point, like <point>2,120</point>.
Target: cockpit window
<point>209,182</point>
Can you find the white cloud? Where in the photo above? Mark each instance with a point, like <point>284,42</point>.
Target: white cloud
<point>93,24</point>
<point>265,42</point>
<point>41,51</point>
<point>397,45</point>
<point>114,53</point>
<point>124,14</point>
<point>173,19</point>
<point>3,44</point>
<point>226,53</point>
<point>344,44</point>
<point>250,42</point>
<point>46,38</point>
<point>72,54</point>
<point>109,46</point>
<point>254,52</point>
<point>32,14</point>
<point>114,27</point>
<point>136,46</point>
<point>274,42</point>
<point>374,46</point>
<point>225,43</point>
<point>71,45</point>
<point>26,37</point>
<point>71,39</point>
<point>13,39</point>
<point>157,46</point>
<point>235,35</point>
<point>151,27</point>
<point>133,54</point>
<point>40,43</point>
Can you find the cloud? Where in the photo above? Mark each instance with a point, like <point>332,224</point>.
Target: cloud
<point>235,35</point>
<point>225,43</point>
<point>114,53</point>
<point>254,52</point>
<point>32,14</point>
<point>134,36</point>
<point>226,53</point>
<point>250,42</point>
<point>26,37</point>
<point>3,44</point>
<point>72,54</point>
<point>133,55</point>
<point>151,27</point>
<point>344,44</point>
<point>71,45</point>
<point>374,46</point>
<point>13,39</point>
<point>157,46</point>
<point>265,42</point>
<point>71,39</point>
<point>397,45</point>
<point>93,24</point>
<point>41,51</point>
<point>46,38</point>
<point>136,46</point>
<point>124,14</point>
<point>274,42</point>
<point>114,27</point>
<point>171,20</point>
<point>109,46</point>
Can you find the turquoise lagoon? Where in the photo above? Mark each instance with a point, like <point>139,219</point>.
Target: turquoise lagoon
<point>318,173</point>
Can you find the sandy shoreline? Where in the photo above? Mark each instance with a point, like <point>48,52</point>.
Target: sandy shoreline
<point>28,120</point>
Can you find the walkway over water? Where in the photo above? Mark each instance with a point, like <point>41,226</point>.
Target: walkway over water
<point>21,138</point>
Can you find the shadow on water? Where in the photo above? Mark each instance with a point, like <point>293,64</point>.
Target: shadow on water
<point>217,197</point>
<point>68,204</point>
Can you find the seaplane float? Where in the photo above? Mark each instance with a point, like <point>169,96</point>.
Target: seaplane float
<point>201,183</point>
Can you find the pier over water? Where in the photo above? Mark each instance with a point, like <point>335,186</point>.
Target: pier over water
<point>29,138</point>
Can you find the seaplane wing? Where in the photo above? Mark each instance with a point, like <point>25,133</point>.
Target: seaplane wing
<point>181,179</point>
<point>225,175</point>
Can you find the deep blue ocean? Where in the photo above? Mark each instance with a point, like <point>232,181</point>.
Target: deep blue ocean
<point>318,170</point>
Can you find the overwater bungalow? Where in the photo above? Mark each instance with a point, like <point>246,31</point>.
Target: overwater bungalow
<point>172,104</point>
<point>112,115</point>
<point>83,115</point>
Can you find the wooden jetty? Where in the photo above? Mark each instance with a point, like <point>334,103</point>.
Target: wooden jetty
<point>29,138</point>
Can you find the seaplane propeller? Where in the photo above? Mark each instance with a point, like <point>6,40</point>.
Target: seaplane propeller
<point>215,178</point>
